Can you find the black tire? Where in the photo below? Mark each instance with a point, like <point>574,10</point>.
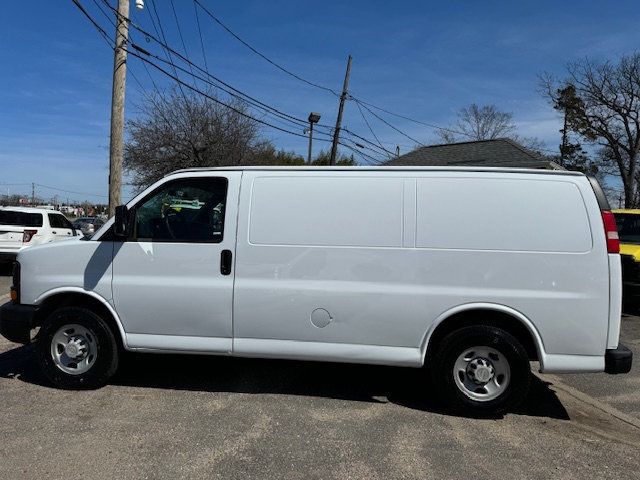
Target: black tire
<point>106,359</point>
<point>455,343</point>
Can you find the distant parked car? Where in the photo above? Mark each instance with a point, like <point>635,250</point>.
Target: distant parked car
<point>88,225</point>
<point>22,227</point>
<point>628,221</point>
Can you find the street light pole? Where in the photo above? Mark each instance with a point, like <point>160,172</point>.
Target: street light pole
<point>310,142</point>
<point>313,118</point>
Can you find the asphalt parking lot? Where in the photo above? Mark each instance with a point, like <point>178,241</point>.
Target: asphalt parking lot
<point>167,416</point>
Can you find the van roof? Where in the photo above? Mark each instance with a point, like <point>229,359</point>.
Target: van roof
<point>385,168</point>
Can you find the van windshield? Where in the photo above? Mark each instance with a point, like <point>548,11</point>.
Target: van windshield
<point>628,227</point>
<point>20,219</point>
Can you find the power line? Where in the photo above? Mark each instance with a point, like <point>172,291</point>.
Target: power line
<point>204,55</point>
<point>243,96</point>
<point>70,191</point>
<point>184,46</point>
<point>369,125</point>
<point>240,112</point>
<point>109,41</point>
<point>388,124</point>
<point>160,33</point>
<point>240,94</point>
<point>365,104</point>
<point>230,90</point>
<point>196,90</point>
<point>430,125</point>
<point>262,55</point>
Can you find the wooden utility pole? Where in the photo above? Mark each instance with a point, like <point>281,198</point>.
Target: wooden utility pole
<point>33,194</point>
<point>116,144</point>
<point>343,97</point>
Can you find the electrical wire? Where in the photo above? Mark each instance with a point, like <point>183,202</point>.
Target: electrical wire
<point>255,103</point>
<point>389,125</point>
<point>371,129</point>
<point>184,46</point>
<point>109,41</point>
<point>204,55</point>
<point>69,191</point>
<point>430,125</point>
<point>262,55</point>
<point>288,72</point>
<point>240,94</point>
<point>243,96</point>
<point>160,33</point>
<point>215,100</point>
<point>240,112</point>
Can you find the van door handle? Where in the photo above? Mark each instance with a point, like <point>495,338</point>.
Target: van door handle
<point>225,262</point>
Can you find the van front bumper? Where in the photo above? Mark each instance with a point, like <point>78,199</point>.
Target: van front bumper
<point>618,360</point>
<point>16,322</point>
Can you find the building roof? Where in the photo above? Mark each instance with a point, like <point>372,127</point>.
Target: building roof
<point>500,152</point>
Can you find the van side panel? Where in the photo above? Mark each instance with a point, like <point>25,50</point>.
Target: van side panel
<point>320,259</point>
<point>526,242</point>
<point>502,214</point>
<point>337,258</point>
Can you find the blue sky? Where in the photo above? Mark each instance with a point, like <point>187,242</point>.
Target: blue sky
<point>421,59</point>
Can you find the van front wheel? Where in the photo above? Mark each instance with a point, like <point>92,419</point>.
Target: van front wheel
<point>76,349</point>
<point>482,369</point>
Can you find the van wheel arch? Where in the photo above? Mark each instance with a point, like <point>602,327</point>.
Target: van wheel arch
<point>76,299</point>
<point>486,317</point>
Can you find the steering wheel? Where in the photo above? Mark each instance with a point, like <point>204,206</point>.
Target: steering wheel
<point>167,224</point>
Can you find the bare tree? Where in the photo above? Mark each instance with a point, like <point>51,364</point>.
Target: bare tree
<point>176,131</point>
<point>605,110</point>
<point>479,123</point>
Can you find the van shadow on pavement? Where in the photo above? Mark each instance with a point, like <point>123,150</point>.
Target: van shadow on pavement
<point>362,383</point>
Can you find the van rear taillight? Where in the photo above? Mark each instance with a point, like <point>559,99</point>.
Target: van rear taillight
<point>611,232</point>
<point>27,235</point>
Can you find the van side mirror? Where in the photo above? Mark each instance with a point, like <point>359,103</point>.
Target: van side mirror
<point>121,223</point>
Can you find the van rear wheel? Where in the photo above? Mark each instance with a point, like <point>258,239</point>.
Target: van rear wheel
<point>76,349</point>
<point>481,369</point>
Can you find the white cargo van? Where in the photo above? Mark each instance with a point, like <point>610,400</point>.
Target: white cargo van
<point>468,272</point>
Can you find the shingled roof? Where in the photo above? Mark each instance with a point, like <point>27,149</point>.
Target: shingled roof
<point>500,152</point>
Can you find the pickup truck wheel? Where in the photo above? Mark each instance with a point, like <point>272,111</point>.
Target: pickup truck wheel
<point>481,369</point>
<point>76,349</point>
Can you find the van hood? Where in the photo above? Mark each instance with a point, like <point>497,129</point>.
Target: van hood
<point>72,265</point>
<point>52,247</point>
<point>630,249</point>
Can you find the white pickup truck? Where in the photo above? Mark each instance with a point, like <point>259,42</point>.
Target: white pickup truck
<point>23,227</point>
<point>468,272</point>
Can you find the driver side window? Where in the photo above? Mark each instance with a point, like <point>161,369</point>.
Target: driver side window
<point>188,210</point>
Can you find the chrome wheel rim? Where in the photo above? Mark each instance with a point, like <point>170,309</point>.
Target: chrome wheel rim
<point>74,349</point>
<point>482,373</point>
